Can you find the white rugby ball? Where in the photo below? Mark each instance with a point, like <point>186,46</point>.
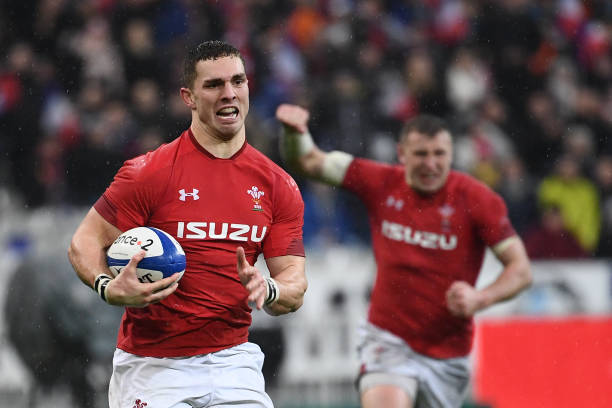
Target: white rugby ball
<point>164,257</point>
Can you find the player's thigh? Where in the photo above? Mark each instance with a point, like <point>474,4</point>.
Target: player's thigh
<point>443,383</point>
<point>239,382</point>
<point>440,383</point>
<point>388,370</point>
<point>158,382</point>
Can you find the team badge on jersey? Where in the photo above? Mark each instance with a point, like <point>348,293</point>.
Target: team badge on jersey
<point>446,211</point>
<point>256,195</point>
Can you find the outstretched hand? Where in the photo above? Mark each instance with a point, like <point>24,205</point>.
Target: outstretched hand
<point>293,116</point>
<point>463,300</point>
<point>251,279</point>
<point>127,290</point>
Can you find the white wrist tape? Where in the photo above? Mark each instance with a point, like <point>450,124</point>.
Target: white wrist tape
<point>334,168</point>
<point>295,144</point>
<point>272,291</point>
<point>100,285</point>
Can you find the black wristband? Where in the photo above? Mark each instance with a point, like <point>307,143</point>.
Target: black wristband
<point>100,285</point>
<point>272,291</point>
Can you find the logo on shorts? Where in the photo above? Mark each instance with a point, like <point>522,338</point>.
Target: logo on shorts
<point>139,404</point>
<point>256,194</point>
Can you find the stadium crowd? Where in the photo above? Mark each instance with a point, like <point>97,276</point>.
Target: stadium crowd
<point>526,86</point>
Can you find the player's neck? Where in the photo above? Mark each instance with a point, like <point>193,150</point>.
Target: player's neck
<point>217,145</point>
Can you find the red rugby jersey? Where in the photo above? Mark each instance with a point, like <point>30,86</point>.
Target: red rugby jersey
<point>421,245</point>
<point>211,206</point>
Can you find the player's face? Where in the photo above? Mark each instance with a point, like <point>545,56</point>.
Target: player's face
<point>220,96</point>
<point>427,160</point>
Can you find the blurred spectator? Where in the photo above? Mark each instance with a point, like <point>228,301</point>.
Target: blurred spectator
<point>577,199</point>
<point>21,102</point>
<point>509,32</point>
<point>549,239</point>
<point>603,177</point>
<point>588,112</point>
<point>100,55</point>
<point>468,81</point>
<point>541,142</point>
<point>517,187</point>
<point>139,52</point>
<point>485,145</point>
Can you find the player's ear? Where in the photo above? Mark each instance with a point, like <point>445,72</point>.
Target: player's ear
<point>187,97</point>
<point>400,154</point>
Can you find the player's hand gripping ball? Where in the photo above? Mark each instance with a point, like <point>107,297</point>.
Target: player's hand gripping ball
<point>164,257</point>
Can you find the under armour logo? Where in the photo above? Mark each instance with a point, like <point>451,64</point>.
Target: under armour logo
<point>392,202</point>
<point>193,194</point>
<point>139,404</point>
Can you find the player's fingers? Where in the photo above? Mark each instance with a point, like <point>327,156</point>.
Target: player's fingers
<point>256,298</point>
<point>131,265</point>
<point>163,283</point>
<point>293,116</point>
<point>255,281</point>
<point>137,257</point>
<point>260,302</point>
<point>242,261</point>
<point>161,294</point>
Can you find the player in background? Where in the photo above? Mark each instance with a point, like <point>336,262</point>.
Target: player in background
<point>186,344</point>
<point>430,226</point>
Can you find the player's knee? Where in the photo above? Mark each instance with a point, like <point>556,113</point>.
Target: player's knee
<point>387,390</point>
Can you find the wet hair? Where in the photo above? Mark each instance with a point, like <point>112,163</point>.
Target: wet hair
<point>208,50</point>
<point>428,125</point>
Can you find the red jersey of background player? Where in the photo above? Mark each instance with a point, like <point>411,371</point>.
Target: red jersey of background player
<point>211,206</point>
<point>422,244</point>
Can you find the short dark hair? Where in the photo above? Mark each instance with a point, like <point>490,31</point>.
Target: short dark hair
<point>208,50</point>
<point>428,125</point>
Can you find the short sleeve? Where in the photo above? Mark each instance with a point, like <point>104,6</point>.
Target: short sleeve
<point>490,215</point>
<point>285,236</point>
<point>126,203</point>
<point>365,178</point>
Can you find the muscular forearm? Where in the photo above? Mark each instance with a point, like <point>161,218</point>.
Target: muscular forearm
<point>514,278</point>
<point>291,297</point>
<point>516,275</point>
<point>289,274</point>
<point>87,247</point>
<point>88,259</point>
<point>463,300</point>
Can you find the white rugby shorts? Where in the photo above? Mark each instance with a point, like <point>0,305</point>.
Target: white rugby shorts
<point>226,377</point>
<point>441,383</point>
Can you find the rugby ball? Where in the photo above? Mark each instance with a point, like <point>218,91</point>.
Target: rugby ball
<point>164,257</point>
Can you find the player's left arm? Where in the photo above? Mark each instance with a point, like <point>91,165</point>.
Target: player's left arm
<point>282,292</point>
<point>464,300</point>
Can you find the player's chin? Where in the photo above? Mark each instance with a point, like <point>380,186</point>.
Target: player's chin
<point>428,187</point>
<point>228,131</point>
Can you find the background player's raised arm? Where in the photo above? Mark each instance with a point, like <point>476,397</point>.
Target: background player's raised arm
<point>302,154</point>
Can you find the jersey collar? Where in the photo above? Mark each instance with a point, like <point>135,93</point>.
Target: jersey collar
<point>207,153</point>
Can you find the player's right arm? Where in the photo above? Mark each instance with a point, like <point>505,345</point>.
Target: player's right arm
<point>302,154</point>
<point>87,254</point>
